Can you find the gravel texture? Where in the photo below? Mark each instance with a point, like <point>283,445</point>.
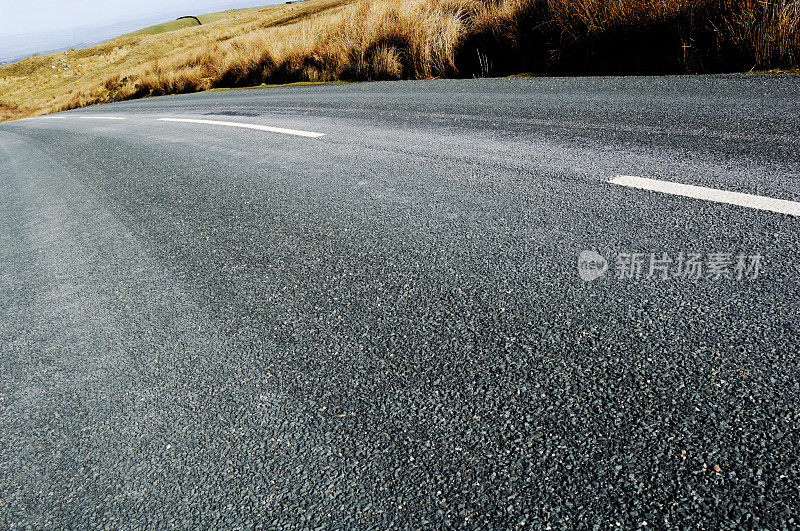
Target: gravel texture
<point>212,327</point>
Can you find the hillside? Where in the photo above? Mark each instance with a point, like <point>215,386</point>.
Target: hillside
<point>325,40</point>
<point>191,21</point>
<point>43,84</point>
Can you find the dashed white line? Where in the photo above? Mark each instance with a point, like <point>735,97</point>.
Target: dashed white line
<point>101,118</point>
<point>781,206</point>
<point>295,132</point>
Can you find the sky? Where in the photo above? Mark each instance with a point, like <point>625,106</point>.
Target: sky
<point>36,26</point>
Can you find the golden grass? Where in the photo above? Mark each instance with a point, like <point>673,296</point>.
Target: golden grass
<point>325,40</point>
<point>108,72</point>
<point>769,27</point>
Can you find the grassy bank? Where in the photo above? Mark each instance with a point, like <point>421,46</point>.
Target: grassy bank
<point>324,40</point>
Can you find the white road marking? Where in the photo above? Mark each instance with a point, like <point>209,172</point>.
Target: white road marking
<point>770,204</point>
<point>296,132</point>
<point>101,118</point>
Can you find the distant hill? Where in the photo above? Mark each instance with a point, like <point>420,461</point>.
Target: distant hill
<point>186,22</point>
<point>16,47</point>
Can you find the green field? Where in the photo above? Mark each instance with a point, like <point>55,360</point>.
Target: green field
<point>207,18</point>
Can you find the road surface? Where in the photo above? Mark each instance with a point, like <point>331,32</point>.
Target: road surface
<point>425,304</point>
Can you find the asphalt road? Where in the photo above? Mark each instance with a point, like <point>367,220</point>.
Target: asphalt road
<point>212,326</point>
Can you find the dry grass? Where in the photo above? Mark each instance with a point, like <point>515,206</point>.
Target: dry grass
<point>634,36</point>
<point>323,40</point>
<point>769,30</point>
